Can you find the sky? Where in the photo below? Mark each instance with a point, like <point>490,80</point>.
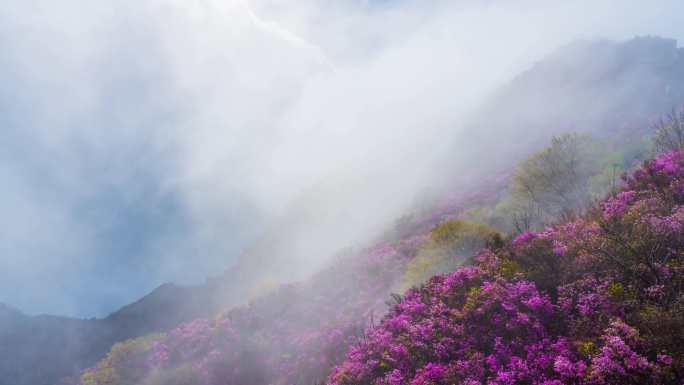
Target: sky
<point>150,141</point>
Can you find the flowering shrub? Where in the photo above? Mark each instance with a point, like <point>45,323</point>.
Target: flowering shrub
<point>595,301</point>
<point>292,336</point>
<point>463,327</point>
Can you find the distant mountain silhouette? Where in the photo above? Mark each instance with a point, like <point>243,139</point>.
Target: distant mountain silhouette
<point>599,87</point>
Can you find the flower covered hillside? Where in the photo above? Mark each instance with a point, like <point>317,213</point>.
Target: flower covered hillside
<point>293,336</point>
<point>298,333</point>
<point>599,300</point>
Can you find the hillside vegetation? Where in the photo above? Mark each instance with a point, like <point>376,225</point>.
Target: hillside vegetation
<point>598,300</point>
<point>566,289</point>
<point>571,156</point>
<point>594,299</point>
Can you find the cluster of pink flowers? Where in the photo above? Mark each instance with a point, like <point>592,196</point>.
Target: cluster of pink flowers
<point>673,223</point>
<point>595,301</point>
<point>617,205</point>
<point>462,327</point>
<point>295,335</point>
<point>562,306</point>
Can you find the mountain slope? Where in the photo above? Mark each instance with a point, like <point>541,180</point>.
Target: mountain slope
<point>599,300</point>
<point>594,301</point>
<point>607,89</point>
<point>296,334</point>
<point>618,87</point>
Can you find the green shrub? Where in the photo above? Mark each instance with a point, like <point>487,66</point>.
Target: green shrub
<point>669,132</point>
<point>123,365</point>
<point>557,182</point>
<point>451,244</point>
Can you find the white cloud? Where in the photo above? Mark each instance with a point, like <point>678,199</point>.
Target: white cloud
<point>242,113</point>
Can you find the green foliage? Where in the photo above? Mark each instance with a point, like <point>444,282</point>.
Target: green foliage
<point>461,237</point>
<point>562,179</point>
<point>472,298</point>
<point>616,290</point>
<point>588,348</point>
<point>606,181</point>
<point>509,268</point>
<point>669,132</point>
<point>102,376</point>
<point>451,243</point>
<point>122,364</point>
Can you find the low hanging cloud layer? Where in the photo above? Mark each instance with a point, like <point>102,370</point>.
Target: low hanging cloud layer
<point>152,141</point>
